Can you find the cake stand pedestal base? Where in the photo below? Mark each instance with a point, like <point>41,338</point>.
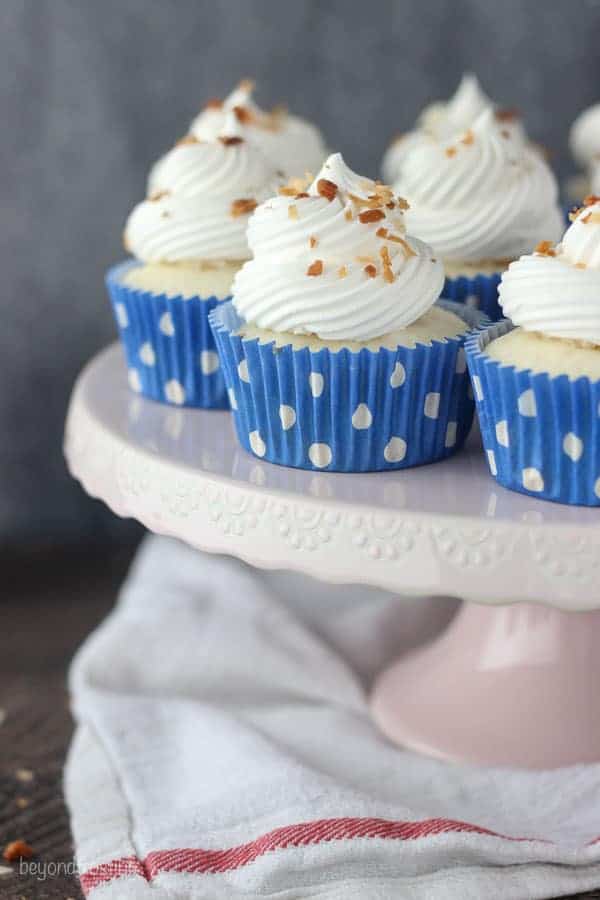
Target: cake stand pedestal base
<point>505,686</point>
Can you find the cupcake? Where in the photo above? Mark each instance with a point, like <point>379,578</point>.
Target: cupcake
<point>188,239</point>
<point>479,199</point>
<point>584,143</point>
<point>333,350</point>
<point>291,144</point>
<point>443,120</point>
<point>537,378</point>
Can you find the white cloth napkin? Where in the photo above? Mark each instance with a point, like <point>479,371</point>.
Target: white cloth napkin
<point>224,750</point>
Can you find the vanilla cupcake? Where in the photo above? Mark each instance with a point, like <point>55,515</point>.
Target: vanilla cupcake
<point>292,145</point>
<point>537,379</point>
<point>443,120</point>
<point>584,143</point>
<point>334,354</point>
<point>480,199</point>
<point>188,239</point>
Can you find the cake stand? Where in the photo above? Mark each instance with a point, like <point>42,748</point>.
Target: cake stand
<point>504,684</point>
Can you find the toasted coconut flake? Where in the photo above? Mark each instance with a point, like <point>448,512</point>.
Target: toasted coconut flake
<point>243,207</point>
<point>342,272</point>
<point>593,218</point>
<point>468,137</point>
<point>315,268</point>
<point>372,202</point>
<point>370,270</point>
<point>348,215</point>
<point>371,215</point>
<point>158,195</point>
<point>243,114</point>
<point>545,248</point>
<point>327,189</point>
<point>580,265</point>
<point>507,115</point>
<point>231,140</point>
<point>17,850</point>
<point>213,103</point>
<point>505,133</point>
<point>247,85</point>
<point>395,238</point>
<point>450,151</point>
<point>408,250</point>
<point>388,274</point>
<point>403,203</point>
<point>366,259</point>
<point>313,241</point>
<point>381,232</point>
<point>186,140</point>
<point>292,211</point>
<point>302,195</point>
<point>296,186</point>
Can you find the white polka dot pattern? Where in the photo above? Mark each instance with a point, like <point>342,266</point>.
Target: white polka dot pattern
<point>166,324</point>
<point>527,404</point>
<point>395,450</point>
<point>361,417</point>
<point>502,433</point>
<point>147,355</point>
<point>209,362</point>
<point>174,392</point>
<point>398,376</point>
<point>316,383</point>
<point>532,480</point>
<point>432,405</point>
<point>121,314</point>
<point>573,447</point>
<point>287,415</point>
<point>320,455</point>
<point>243,370</point>
<point>256,442</point>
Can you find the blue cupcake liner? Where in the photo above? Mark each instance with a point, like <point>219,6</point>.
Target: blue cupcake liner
<point>346,411</point>
<point>541,433</point>
<point>480,293</point>
<point>169,347</point>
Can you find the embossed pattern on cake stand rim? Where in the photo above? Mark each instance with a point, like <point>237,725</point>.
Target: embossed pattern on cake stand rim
<point>445,529</point>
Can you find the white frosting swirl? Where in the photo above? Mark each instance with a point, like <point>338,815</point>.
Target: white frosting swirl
<point>190,214</point>
<point>290,236</point>
<point>443,120</point>
<point>556,291</point>
<point>584,137</point>
<point>485,195</point>
<point>292,144</point>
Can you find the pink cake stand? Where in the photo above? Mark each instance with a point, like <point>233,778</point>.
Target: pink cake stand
<point>504,685</point>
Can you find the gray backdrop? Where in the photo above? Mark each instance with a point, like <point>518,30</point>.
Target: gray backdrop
<point>92,91</point>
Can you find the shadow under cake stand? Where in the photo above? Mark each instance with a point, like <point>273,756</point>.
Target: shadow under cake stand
<point>503,685</point>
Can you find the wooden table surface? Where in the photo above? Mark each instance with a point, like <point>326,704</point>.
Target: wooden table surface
<point>52,601</point>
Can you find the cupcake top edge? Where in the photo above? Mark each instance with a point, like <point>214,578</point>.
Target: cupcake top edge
<point>484,194</point>
<point>291,143</point>
<point>442,120</point>
<point>556,289</point>
<point>331,258</point>
<point>584,137</point>
<point>202,194</point>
